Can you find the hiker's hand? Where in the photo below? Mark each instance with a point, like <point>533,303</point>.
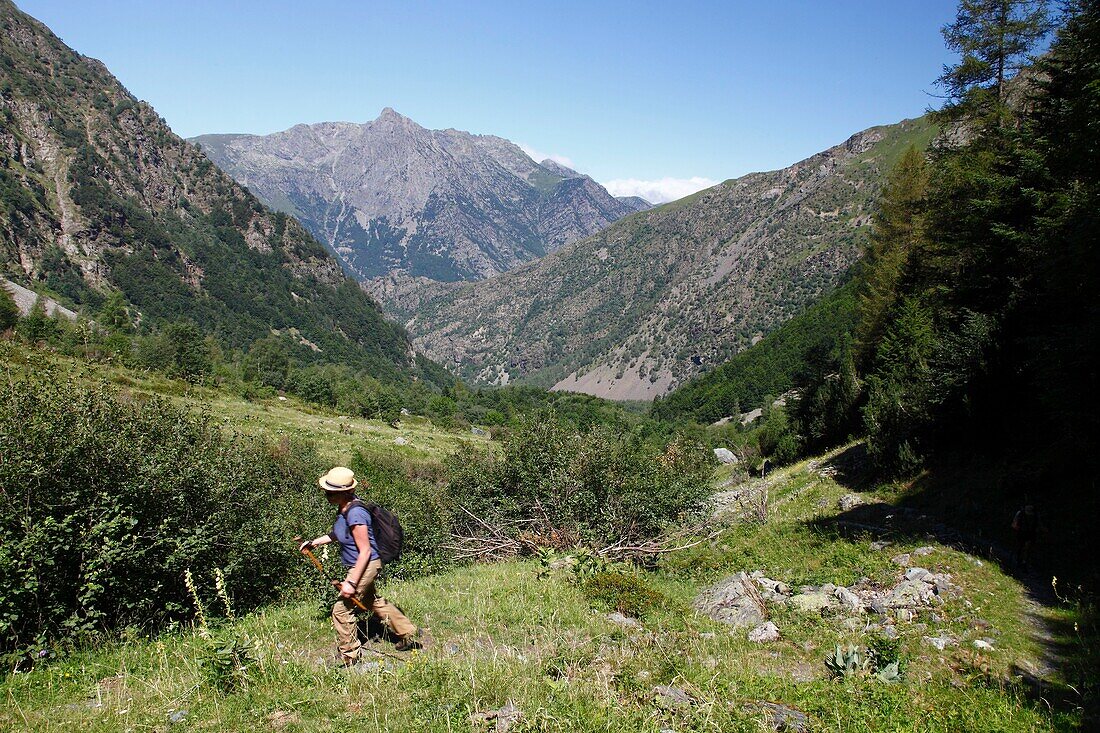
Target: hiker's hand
<point>347,590</point>
<point>305,546</point>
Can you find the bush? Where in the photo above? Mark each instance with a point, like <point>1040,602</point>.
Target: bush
<point>630,595</point>
<point>9,311</point>
<point>601,486</point>
<point>107,501</point>
<point>417,495</point>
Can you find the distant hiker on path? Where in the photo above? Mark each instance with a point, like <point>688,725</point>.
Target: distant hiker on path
<point>1026,526</point>
<point>359,553</point>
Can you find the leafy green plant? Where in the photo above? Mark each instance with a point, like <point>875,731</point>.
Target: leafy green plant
<point>228,662</point>
<point>885,657</point>
<point>846,661</point>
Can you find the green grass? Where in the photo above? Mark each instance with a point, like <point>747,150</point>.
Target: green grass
<point>338,437</point>
<point>500,633</point>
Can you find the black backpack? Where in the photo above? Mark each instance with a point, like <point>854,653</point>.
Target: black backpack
<point>388,535</point>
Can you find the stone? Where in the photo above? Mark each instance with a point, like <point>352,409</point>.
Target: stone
<point>849,600</point>
<point>177,716</point>
<point>940,642</point>
<point>479,432</point>
<point>814,602</point>
<point>625,621</point>
<point>982,644</point>
<point>731,603</point>
<point>922,551</point>
<point>781,717</point>
<point>902,560</point>
<point>880,545</point>
<point>400,441</point>
<point>764,633</point>
<point>916,574</point>
<point>405,412</point>
<point>852,623</point>
<point>725,455</point>
<point>282,399</point>
<point>878,607</point>
<point>889,632</point>
<point>848,502</point>
<point>672,697</point>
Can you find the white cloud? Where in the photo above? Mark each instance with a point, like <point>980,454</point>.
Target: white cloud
<point>539,156</point>
<point>658,191</point>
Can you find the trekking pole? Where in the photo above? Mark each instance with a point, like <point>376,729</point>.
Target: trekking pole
<point>320,568</point>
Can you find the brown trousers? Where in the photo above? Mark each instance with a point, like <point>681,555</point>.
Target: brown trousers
<point>343,613</point>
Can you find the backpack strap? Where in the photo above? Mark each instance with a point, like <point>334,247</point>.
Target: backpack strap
<point>369,507</point>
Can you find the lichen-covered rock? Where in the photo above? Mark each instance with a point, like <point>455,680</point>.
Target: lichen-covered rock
<point>813,602</point>
<point>766,632</point>
<point>731,602</point>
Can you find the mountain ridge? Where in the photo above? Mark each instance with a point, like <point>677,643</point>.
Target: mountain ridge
<point>664,294</point>
<point>98,195</point>
<point>390,196</point>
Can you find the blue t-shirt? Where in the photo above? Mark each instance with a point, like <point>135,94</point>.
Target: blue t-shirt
<point>349,551</point>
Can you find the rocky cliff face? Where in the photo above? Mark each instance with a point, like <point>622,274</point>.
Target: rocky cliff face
<point>390,196</point>
<point>659,296</point>
<point>97,194</point>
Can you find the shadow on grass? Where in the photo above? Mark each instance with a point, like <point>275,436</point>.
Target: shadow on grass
<point>968,504</point>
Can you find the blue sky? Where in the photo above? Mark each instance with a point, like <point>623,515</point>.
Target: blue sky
<point>640,92</point>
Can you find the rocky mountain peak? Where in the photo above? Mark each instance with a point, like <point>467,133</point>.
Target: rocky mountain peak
<point>392,197</point>
<point>555,167</point>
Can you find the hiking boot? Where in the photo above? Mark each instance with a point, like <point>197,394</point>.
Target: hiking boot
<point>345,662</point>
<point>409,643</point>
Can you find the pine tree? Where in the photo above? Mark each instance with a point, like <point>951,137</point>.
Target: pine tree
<point>994,39</point>
<point>898,230</point>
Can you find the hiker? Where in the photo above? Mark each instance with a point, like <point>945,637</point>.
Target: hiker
<point>1026,526</point>
<point>359,554</point>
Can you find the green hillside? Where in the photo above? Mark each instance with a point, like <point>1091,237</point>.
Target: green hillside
<point>98,197</point>
<point>786,358</point>
<point>513,649</point>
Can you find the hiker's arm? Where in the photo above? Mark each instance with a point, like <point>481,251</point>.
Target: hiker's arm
<point>362,541</point>
<point>315,542</point>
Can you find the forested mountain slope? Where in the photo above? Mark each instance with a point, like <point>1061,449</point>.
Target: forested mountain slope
<point>664,294</point>
<point>97,195</point>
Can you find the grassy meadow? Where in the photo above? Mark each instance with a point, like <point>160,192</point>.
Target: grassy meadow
<point>515,646</point>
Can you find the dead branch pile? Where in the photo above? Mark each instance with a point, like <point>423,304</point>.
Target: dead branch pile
<point>497,541</point>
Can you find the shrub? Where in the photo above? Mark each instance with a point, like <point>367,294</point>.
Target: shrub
<point>108,500</point>
<point>629,594</point>
<point>420,501</point>
<point>601,486</point>
<point>9,311</point>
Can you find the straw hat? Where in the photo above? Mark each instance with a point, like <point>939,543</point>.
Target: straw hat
<point>338,479</point>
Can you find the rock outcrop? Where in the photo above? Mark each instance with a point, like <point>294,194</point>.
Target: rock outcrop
<point>390,196</point>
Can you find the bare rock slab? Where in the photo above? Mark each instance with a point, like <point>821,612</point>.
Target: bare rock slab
<point>732,602</point>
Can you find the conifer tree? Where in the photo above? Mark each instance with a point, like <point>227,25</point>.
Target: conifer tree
<point>898,229</point>
<point>994,39</point>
